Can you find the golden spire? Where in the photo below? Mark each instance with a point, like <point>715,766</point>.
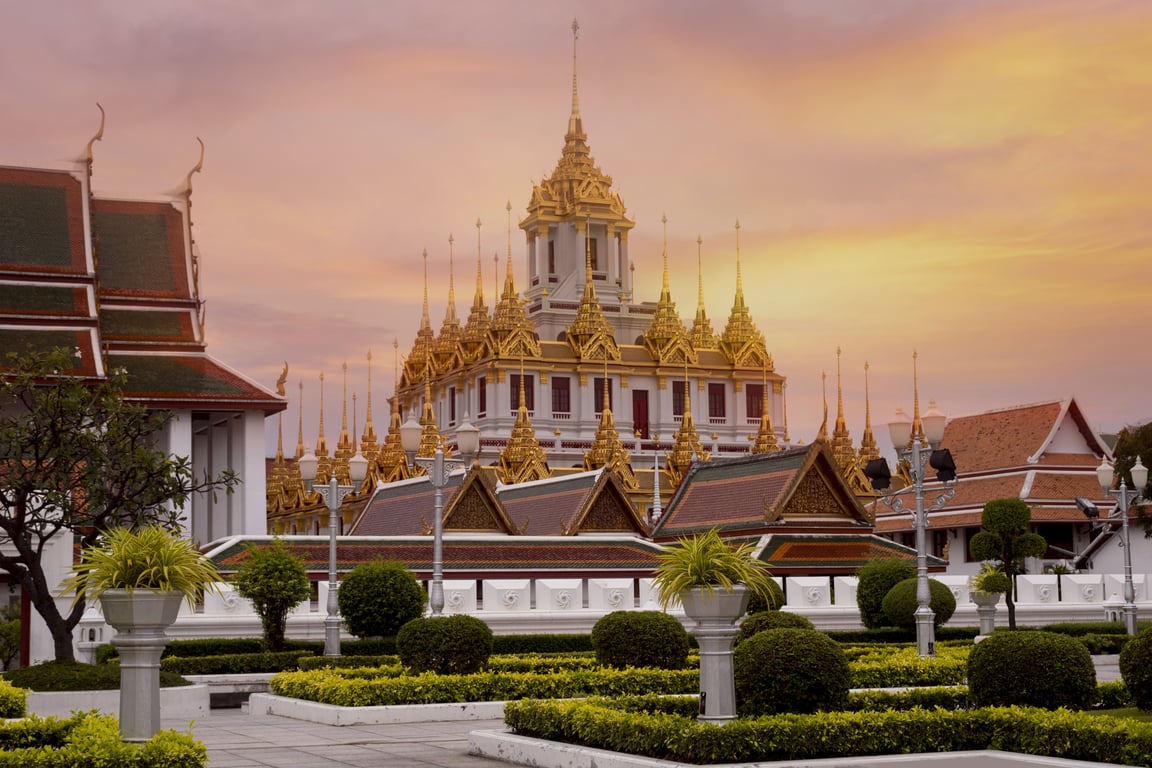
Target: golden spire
<point>448,345</point>
<point>368,441</point>
<point>474,339</point>
<point>430,437</point>
<point>323,463</point>
<point>275,484</point>
<point>666,340</point>
<point>822,435</point>
<point>513,333</point>
<point>766,441</point>
<point>420,358</point>
<point>391,463</point>
<point>842,449</point>
<point>917,425</point>
<point>522,459</point>
<point>344,445</point>
<point>868,447</point>
<point>591,336</point>
<point>686,443</point>
<point>741,342</point>
<point>607,450</point>
<point>702,336</point>
<point>300,450</point>
<point>575,124</point>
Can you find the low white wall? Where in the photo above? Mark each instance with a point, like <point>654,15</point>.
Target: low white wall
<point>188,702</point>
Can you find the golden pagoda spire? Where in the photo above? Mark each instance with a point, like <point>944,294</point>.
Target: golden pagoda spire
<point>686,443</point>
<point>300,450</point>
<point>917,425</point>
<point>430,437</point>
<point>513,333</point>
<point>842,449</point>
<point>868,447</point>
<point>474,339</point>
<point>522,459</point>
<point>423,349</point>
<point>323,463</point>
<point>276,477</point>
<point>391,463</point>
<point>368,441</point>
<point>741,342</point>
<point>822,435</point>
<point>575,124</point>
<point>448,345</point>
<point>591,336</point>
<point>702,336</point>
<point>666,340</point>
<point>344,445</point>
<point>766,441</point>
<point>607,450</point>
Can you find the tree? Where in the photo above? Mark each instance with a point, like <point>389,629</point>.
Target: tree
<point>874,579</point>
<point>1006,541</point>
<point>276,581</point>
<point>1130,443</point>
<point>75,459</point>
<point>378,598</point>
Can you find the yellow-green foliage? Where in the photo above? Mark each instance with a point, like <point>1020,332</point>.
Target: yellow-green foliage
<point>603,724</point>
<point>11,700</point>
<point>89,740</point>
<point>360,688</point>
<point>881,667</point>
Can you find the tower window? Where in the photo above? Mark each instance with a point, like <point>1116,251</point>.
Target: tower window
<point>599,384</point>
<point>551,257</point>
<point>593,256</point>
<point>754,400</point>
<point>716,405</point>
<point>678,390</point>
<point>529,393</point>
<point>452,405</point>
<point>482,396</point>
<point>561,396</point>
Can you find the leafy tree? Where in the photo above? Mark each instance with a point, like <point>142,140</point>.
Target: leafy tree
<point>75,459</point>
<point>1130,443</point>
<point>874,579</point>
<point>1005,540</point>
<point>378,598</point>
<point>275,580</point>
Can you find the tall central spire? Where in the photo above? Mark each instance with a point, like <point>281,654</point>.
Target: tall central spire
<point>574,123</point>
<point>666,339</point>
<point>448,345</point>
<point>420,359</point>
<point>841,440</point>
<point>742,342</point>
<point>474,339</point>
<point>702,336</point>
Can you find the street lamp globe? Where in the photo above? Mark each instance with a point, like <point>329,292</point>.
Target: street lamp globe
<point>468,438</point>
<point>900,429</point>
<point>358,468</point>
<point>934,422</point>
<point>308,463</point>
<point>410,436</point>
<point>1139,475</point>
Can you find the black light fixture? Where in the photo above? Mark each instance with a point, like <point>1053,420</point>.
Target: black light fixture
<point>878,472</point>
<point>1089,509</point>
<point>941,461</point>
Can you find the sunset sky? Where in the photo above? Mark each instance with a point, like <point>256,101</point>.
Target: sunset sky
<point>969,179</point>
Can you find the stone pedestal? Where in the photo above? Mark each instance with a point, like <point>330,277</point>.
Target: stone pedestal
<point>715,613</point>
<point>986,609</point>
<point>140,618</point>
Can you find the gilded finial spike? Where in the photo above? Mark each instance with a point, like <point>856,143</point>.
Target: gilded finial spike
<point>99,135</point>
<point>300,426</point>
<point>575,100</point>
<point>917,424</point>
<point>195,169</point>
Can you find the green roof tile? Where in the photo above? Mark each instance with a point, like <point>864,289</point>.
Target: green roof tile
<point>34,226</point>
<point>133,252</point>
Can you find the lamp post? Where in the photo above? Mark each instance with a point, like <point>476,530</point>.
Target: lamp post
<point>333,494</point>
<point>1106,474</point>
<point>438,469</point>
<point>910,449</point>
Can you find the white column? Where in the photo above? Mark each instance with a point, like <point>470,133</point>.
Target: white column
<point>201,463</point>
<point>219,461</point>
<point>178,442</point>
<point>252,516</point>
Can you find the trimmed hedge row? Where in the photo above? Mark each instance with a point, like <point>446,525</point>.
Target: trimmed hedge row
<point>362,690</point>
<point>903,667</point>
<point>607,724</point>
<point>59,675</point>
<point>235,664</point>
<point>12,700</point>
<point>87,740</point>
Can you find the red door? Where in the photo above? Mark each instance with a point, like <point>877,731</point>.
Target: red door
<point>640,412</point>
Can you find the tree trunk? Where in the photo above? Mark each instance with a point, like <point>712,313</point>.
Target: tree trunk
<point>1008,601</point>
<point>59,625</point>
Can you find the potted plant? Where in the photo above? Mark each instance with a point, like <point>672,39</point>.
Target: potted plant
<point>140,576</point>
<point>986,587</point>
<point>712,581</point>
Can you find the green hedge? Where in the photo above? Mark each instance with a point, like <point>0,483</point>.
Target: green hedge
<point>88,740</point>
<point>607,724</point>
<point>893,635</point>
<point>12,700</point>
<point>73,676</point>
<point>233,664</point>
<point>885,668</point>
<point>224,646</point>
<point>344,688</point>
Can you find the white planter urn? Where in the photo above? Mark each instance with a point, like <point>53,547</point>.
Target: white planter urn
<point>985,609</point>
<point>140,618</point>
<point>715,612</point>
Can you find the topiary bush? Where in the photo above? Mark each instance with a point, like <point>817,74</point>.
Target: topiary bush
<point>376,599</point>
<point>900,603</point>
<point>874,580</point>
<point>790,670</point>
<point>1031,668</point>
<point>640,639</point>
<point>1136,668</point>
<point>274,579</point>
<point>766,620</point>
<point>448,645</point>
<point>757,603</point>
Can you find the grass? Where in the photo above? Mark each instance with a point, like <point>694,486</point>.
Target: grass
<point>1127,713</point>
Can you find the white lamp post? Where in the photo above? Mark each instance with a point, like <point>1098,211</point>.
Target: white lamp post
<point>438,469</point>
<point>333,494</point>
<point>900,429</point>
<point>1106,474</point>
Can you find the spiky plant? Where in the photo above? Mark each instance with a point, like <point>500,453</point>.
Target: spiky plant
<point>707,561</point>
<point>151,558</point>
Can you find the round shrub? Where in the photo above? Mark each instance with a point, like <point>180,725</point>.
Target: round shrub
<point>378,598</point>
<point>447,645</point>
<point>774,601</point>
<point>900,603</point>
<point>874,580</point>
<point>1031,668</point>
<point>766,620</point>
<point>640,639</point>
<point>1136,668</point>
<point>790,670</point>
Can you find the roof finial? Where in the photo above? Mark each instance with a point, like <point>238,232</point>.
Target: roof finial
<point>822,435</point>
<point>195,169</point>
<point>508,207</point>
<point>424,319</point>
<point>451,275</point>
<point>917,425</point>
<point>479,300</point>
<point>699,275</point>
<point>739,277</point>
<point>664,221</point>
<point>99,136</point>
<point>300,428</point>
<point>575,100</point>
